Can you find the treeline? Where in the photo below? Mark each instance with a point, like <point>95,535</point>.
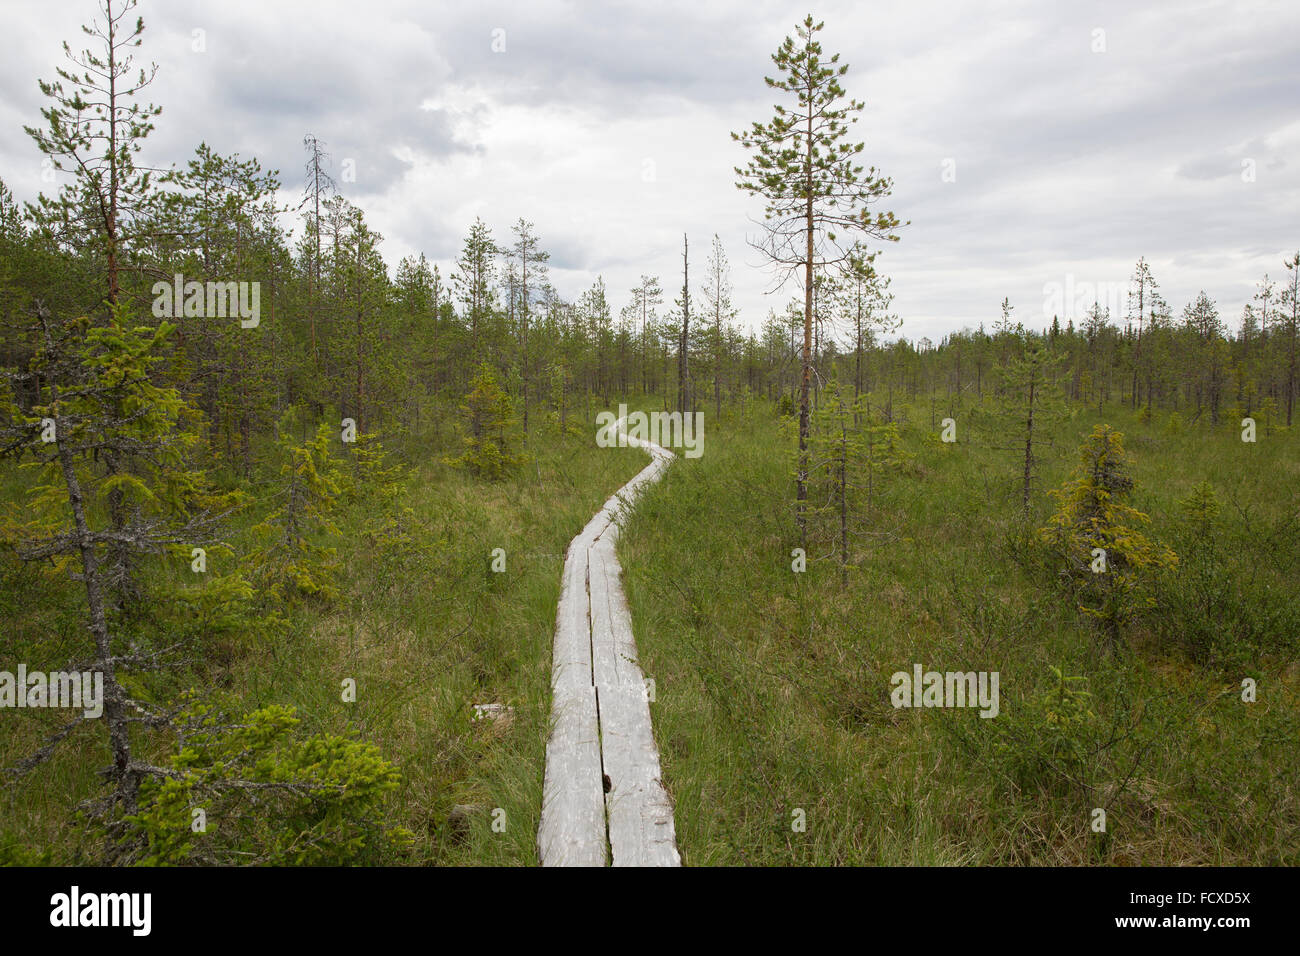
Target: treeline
<point>1193,364</point>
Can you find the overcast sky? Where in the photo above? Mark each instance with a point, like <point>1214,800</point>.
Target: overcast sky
<point>1076,136</point>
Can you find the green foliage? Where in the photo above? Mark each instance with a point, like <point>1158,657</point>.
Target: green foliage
<point>1215,608</point>
<point>271,795</point>
<point>106,438</point>
<point>789,165</point>
<point>853,451</point>
<point>781,680</point>
<point>1033,400</point>
<point>489,429</point>
<point>1200,509</point>
<point>366,473</point>
<point>836,455</point>
<point>291,561</point>
<point>216,605</point>
<point>885,454</point>
<point>1095,535</point>
<point>155,418</point>
<point>561,382</point>
<point>132,439</point>
<point>1050,742</point>
<point>16,854</point>
<point>95,126</point>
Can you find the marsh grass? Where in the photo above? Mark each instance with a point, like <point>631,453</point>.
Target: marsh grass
<point>773,687</point>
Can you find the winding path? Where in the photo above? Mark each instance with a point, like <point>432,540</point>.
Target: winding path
<point>602,800</point>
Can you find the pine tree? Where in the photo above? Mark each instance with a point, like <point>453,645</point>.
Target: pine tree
<point>837,454</point>
<point>648,294</point>
<point>1290,316</point>
<point>218,212</point>
<point>851,451</point>
<point>364,341</point>
<point>1144,287</point>
<point>475,278</point>
<point>96,127</point>
<point>815,192</point>
<point>416,289</point>
<point>1208,360</point>
<point>319,186</point>
<point>685,391</point>
<point>532,267</point>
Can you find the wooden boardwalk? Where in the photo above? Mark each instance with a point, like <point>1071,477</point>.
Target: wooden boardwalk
<point>603,801</point>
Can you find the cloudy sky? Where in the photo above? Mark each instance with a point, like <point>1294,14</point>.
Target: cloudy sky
<point>1034,146</point>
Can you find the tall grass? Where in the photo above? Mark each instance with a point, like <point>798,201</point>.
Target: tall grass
<point>773,687</point>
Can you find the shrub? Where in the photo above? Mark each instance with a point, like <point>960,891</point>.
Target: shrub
<point>1049,743</point>
<point>269,794</point>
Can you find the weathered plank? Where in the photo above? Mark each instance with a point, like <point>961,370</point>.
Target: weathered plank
<point>572,830</point>
<point>638,810</point>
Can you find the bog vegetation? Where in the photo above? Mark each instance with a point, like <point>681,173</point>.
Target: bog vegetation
<point>272,527</point>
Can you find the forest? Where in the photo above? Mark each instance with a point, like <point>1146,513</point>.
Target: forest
<point>302,511</point>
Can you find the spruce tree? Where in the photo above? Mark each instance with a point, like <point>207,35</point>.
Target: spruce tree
<point>98,521</point>
<point>1097,536</point>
